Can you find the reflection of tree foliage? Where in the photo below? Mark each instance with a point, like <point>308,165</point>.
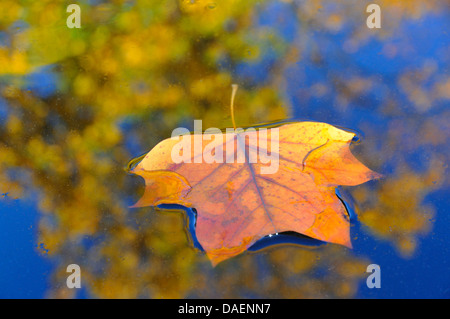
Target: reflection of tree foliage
<point>136,71</point>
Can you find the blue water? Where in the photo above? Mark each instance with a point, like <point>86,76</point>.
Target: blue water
<point>25,270</point>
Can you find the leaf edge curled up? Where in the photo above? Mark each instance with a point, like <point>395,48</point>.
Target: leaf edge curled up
<point>162,187</point>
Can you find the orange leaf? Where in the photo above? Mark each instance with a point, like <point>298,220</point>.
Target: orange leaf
<point>237,204</point>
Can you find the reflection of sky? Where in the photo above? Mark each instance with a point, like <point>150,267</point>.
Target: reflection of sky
<point>24,272</point>
<point>425,275</point>
<point>43,83</point>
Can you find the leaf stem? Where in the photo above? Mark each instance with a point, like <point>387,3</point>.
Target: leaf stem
<point>233,93</point>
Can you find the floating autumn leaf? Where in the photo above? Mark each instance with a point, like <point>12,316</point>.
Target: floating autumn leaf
<point>242,192</point>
